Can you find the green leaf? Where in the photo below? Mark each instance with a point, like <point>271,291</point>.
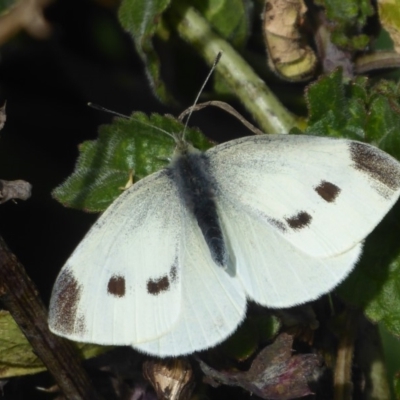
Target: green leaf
<point>229,18</point>
<point>332,112</point>
<point>126,146</point>
<point>348,17</point>
<point>383,125</point>
<point>17,356</point>
<point>142,18</point>
<point>355,111</point>
<point>145,19</point>
<point>389,18</point>
<point>372,114</point>
<point>326,97</point>
<point>339,10</point>
<point>375,283</point>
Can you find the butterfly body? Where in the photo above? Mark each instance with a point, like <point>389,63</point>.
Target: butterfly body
<point>189,171</point>
<point>277,219</point>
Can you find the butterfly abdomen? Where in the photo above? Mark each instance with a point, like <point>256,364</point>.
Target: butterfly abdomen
<point>190,172</point>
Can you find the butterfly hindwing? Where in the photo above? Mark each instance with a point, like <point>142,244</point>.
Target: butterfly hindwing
<point>323,195</point>
<point>122,284</point>
<point>213,301</point>
<point>273,272</point>
<point>291,213</point>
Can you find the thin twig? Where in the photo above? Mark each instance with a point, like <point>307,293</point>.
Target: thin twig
<point>343,386</point>
<point>226,107</point>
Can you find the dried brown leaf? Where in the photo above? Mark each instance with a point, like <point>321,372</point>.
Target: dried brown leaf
<point>25,15</point>
<point>289,55</point>
<point>275,374</point>
<point>171,379</point>
<point>14,190</point>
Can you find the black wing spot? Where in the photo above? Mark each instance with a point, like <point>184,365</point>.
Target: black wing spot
<point>278,224</point>
<point>328,191</point>
<point>377,164</point>
<point>80,326</point>
<point>116,286</point>
<point>173,273</point>
<point>64,309</point>
<point>299,221</point>
<point>157,286</point>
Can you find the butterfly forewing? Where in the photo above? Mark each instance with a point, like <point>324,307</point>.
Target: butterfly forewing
<point>277,219</point>
<point>213,301</point>
<point>122,284</point>
<point>323,195</point>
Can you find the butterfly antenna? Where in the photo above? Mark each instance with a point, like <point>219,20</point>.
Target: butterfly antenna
<point>101,108</point>
<point>216,61</point>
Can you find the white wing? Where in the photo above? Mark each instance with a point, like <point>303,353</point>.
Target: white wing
<point>213,302</point>
<point>323,195</point>
<point>122,284</point>
<point>273,272</point>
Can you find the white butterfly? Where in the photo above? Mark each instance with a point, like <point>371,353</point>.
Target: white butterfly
<point>277,219</point>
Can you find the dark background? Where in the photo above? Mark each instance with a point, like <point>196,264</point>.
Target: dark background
<point>47,85</point>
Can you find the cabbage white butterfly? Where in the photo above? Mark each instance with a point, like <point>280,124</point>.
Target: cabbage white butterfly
<point>169,266</point>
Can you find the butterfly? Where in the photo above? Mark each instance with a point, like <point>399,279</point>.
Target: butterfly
<point>169,267</point>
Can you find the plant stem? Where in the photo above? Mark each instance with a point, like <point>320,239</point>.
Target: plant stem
<point>343,385</point>
<point>238,75</point>
<point>20,297</point>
